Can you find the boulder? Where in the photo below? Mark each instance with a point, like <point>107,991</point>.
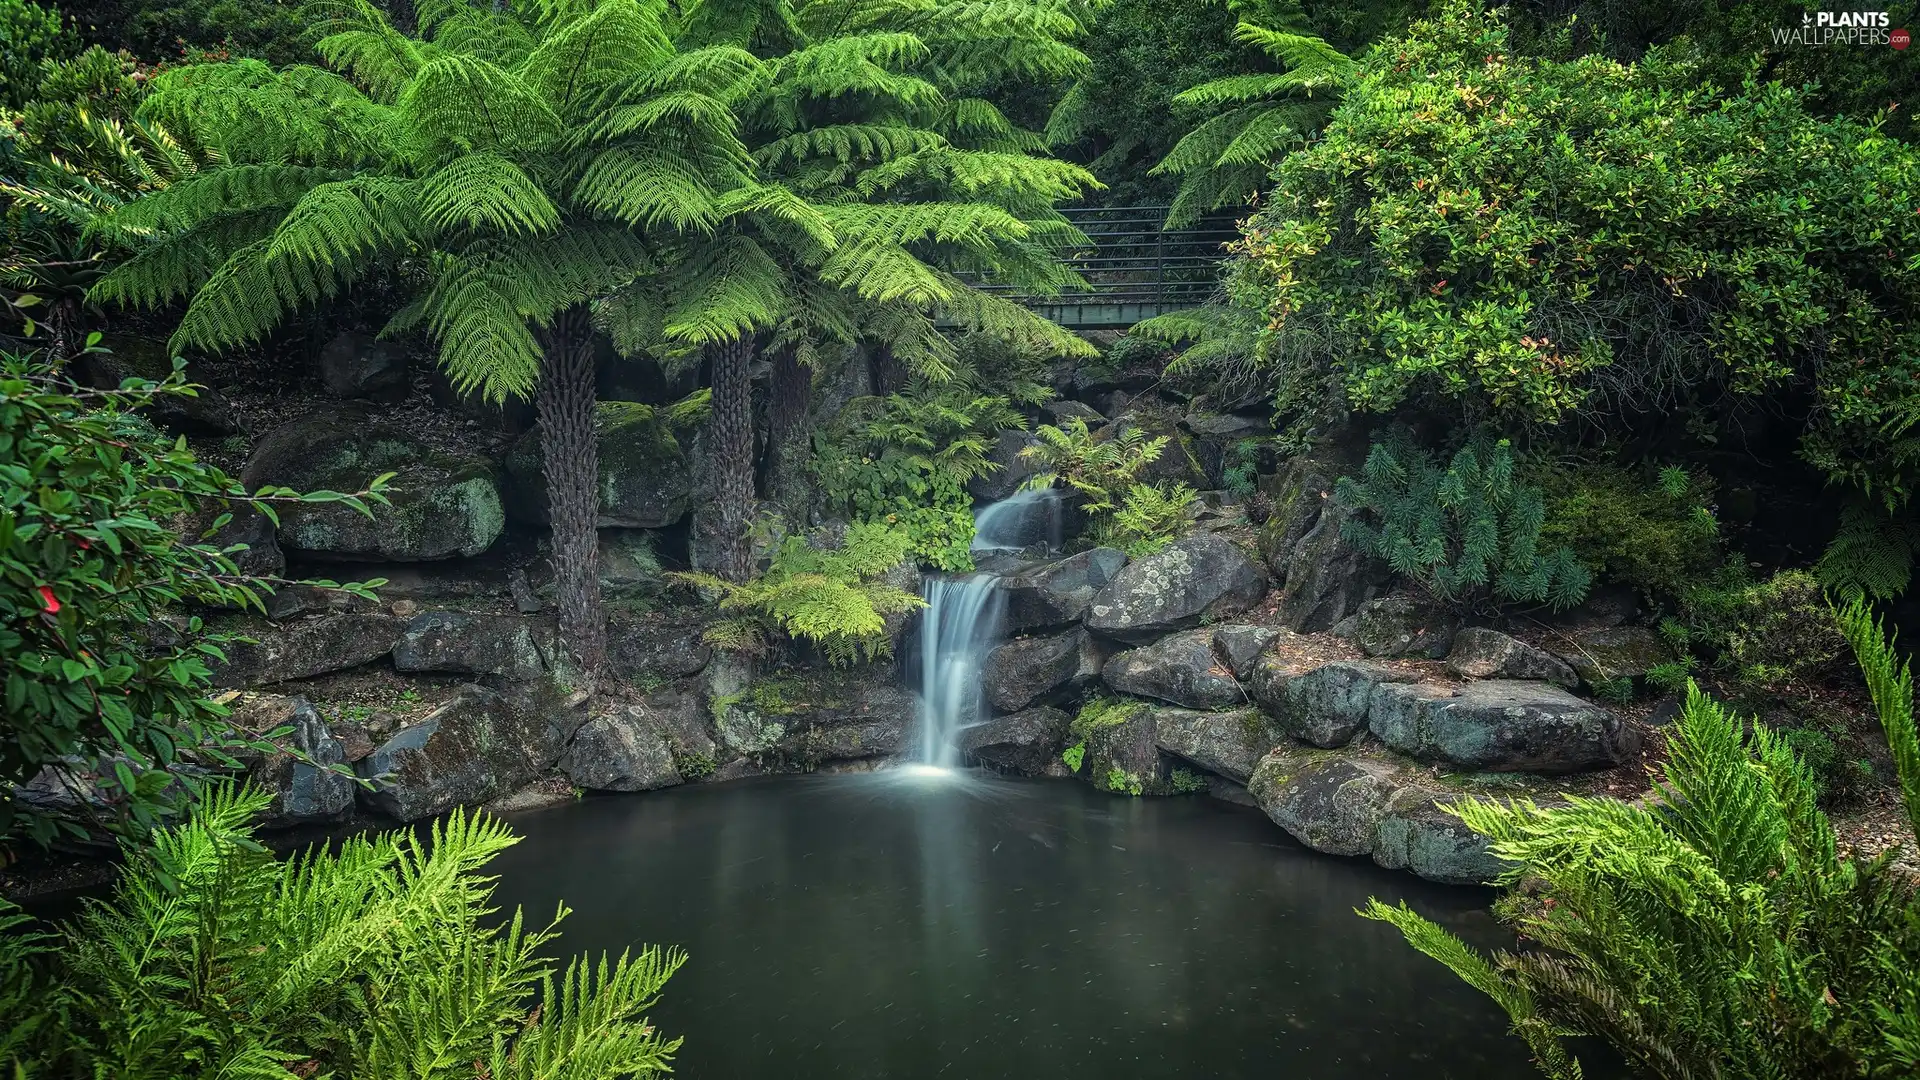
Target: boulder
<point>1297,494</point>
<point>1327,800</point>
<point>1180,668</point>
<point>1229,744</point>
<point>624,750</point>
<point>1119,754</point>
<point>475,746</point>
<point>308,647</point>
<point>463,644</point>
<point>207,412</point>
<point>1615,652</point>
<point>1326,578</point>
<point>1013,468</point>
<point>1025,743</point>
<point>262,557</point>
<point>1194,579</point>
<point>1498,725</point>
<point>358,366</point>
<point>1024,672</point>
<point>1240,646</point>
<point>1178,462</point>
<point>1321,703</point>
<point>843,716</point>
<point>656,646</point>
<point>442,504</point>
<point>1059,411</point>
<point>305,791</point>
<point>1135,371</point>
<point>1058,592</point>
<point>1417,834</point>
<point>1395,626</point>
<point>645,481</point>
<point>543,794</point>
<point>1480,653</point>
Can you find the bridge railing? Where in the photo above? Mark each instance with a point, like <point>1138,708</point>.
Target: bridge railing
<point>1134,268</point>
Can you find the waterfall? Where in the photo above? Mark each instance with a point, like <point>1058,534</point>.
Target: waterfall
<point>1027,517</point>
<point>960,624</point>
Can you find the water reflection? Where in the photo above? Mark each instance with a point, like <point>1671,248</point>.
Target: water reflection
<point>904,924</point>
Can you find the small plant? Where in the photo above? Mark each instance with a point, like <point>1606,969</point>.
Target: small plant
<point>1187,782</point>
<point>1672,675</point>
<point>695,766</point>
<point>1241,470</point>
<point>1770,634</point>
<point>1122,782</point>
<point>1074,755</point>
<point>1617,689</point>
<point>1653,530</point>
<point>1103,471</point>
<point>833,598</point>
<point>381,956</point>
<point>1148,519</point>
<point>1463,531</point>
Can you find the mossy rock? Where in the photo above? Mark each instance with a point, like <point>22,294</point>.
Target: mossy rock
<point>442,505</point>
<point>645,479</point>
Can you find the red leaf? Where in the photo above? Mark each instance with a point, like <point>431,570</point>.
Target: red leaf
<point>48,602</point>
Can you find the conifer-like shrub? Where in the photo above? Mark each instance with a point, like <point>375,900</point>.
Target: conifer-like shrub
<point>1464,532</point>
<point>1715,931</point>
<point>376,959</point>
<point>836,599</point>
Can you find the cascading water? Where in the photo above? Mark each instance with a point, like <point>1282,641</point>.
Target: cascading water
<point>961,622</point>
<point>1027,517</point>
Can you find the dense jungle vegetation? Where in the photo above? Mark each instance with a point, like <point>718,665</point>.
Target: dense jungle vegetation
<point>1569,299</point>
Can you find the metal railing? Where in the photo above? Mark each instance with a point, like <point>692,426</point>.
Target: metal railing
<point>1135,270</point>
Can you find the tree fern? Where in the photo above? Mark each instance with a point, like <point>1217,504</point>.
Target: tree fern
<point>1890,683</point>
<point>1871,553</point>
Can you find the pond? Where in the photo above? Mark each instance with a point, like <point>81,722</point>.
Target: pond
<point>910,923</point>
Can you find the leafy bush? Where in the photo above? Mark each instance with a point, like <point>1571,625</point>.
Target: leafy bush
<point>380,958</point>
<point>835,598</point>
<point>1538,240</point>
<point>1765,634</point>
<point>30,36</point>
<point>1101,470</point>
<point>1715,931</point>
<point>1461,531</point>
<point>1150,517</point>
<point>904,461</point>
<point>105,663</point>
<point>1654,533</point>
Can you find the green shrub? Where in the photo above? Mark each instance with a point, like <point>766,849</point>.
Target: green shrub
<point>1653,532</point>
<point>1714,931</point>
<point>103,660</point>
<point>30,36</point>
<point>1150,517</point>
<point>1768,634</point>
<point>381,957</point>
<point>834,598</point>
<point>1123,512</point>
<point>1460,532</point>
<point>905,461</point>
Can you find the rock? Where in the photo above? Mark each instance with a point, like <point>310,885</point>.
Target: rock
<point>1139,370</point>
<point>1327,579</point>
<point>1180,668</point>
<point>405,609</point>
<point>1033,670</point>
<point>543,794</point>
<point>1057,593</point>
<point>525,601</point>
<point>1178,463</point>
<point>1014,469</point>
<point>1025,743</point>
<point>315,646</point>
<point>1219,787</point>
<point>475,746</point>
<point>463,644</point>
<point>304,792</point>
<point>1227,425</point>
<point>1229,744</point>
<point>629,566</point>
<point>1329,801</point>
<point>843,715</point>
<point>1239,646</point>
<point>1061,410</point>
<point>1298,493</point>
<point>442,504</point>
<point>1417,834</point>
<point>1196,578</point>
<point>650,645</point>
<point>207,412</point>
<point>1120,755</point>
<point>1480,653</point>
<point>1320,703</point>
<point>621,751</point>
<point>1394,626</point>
<point>356,741</point>
<point>1498,725</point>
<point>1620,652</point>
<point>1606,606</point>
<point>262,557</point>
<point>357,366</point>
<point>645,479</point>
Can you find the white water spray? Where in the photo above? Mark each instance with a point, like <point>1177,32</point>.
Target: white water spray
<point>960,625</point>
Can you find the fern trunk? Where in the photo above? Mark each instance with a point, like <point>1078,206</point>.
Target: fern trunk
<point>732,448</point>
<point>889,375</point>
<point>570,452</point>
<point>789,436</point>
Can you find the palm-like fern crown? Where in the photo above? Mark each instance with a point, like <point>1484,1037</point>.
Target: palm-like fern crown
<point>512,163</point>
<point>881,176</point>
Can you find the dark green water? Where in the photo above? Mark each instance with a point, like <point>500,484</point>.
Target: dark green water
<point>885,925</point>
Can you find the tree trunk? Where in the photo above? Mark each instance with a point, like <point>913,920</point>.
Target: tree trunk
<point>888,373</point>
<point>732,448</point>
<point>790,437</point>
<point>570,464</point>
